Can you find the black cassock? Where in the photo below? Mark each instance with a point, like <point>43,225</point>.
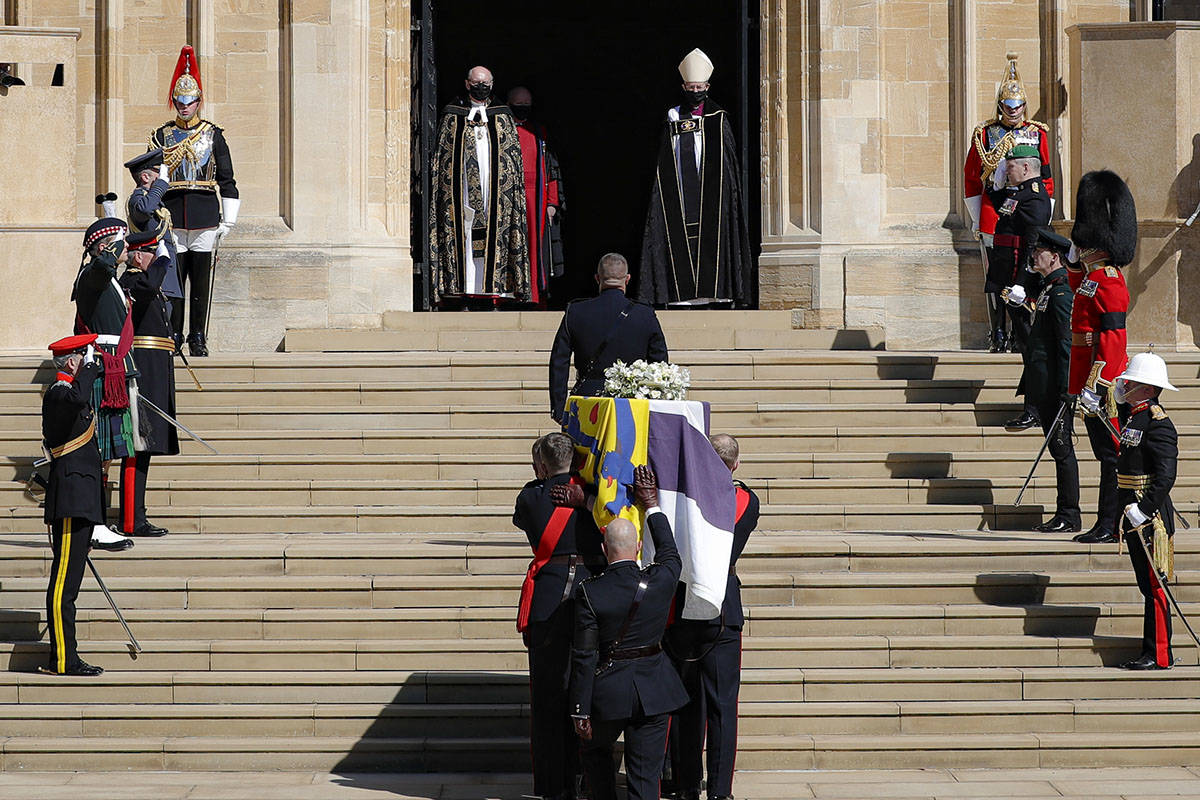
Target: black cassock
<point>695,244</point>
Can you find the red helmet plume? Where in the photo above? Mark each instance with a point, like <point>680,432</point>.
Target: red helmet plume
<point>185,83</point>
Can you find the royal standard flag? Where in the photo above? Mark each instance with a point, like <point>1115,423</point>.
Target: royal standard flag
<point>612,434</point>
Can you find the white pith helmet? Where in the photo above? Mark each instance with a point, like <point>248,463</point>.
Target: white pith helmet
<point>1149,369</point>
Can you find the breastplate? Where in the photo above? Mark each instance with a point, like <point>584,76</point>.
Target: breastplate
<point>188,154</point>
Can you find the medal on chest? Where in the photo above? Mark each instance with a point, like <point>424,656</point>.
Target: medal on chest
<point>1043,301</point>
<point>1087,288</point>
<point>1008,206</point>
<point>1131,437</point>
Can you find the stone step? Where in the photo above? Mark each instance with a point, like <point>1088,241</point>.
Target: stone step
<point>548,321</point>
<point>758,652</point>
<point>504,754</point>
<point>507,554</point>
<point>439,720</point>
<point>484,519</point>
<point>758,589</point>
<point>714,337</point>
<point>1097,619</point>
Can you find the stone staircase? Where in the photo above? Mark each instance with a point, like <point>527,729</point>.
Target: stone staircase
<point>338,589</point>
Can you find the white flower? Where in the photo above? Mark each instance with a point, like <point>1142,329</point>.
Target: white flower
<point>658,381</point>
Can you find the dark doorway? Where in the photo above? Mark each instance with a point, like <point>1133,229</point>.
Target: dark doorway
<point>602,77</point>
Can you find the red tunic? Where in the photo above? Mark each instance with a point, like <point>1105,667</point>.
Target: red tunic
<point>985,138</point>
<point>540,193</point>
<point>1098,337</point>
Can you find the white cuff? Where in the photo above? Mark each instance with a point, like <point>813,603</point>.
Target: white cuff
<point>161,250</point>
<point>229,209</point>
<point>653,510</point>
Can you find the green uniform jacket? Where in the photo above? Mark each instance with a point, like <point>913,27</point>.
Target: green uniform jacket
<point>1049,357</point>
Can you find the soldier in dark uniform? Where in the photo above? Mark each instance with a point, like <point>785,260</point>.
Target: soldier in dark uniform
<point>203,195</point>
<point>566,545</point>
<point>1047,362</point>
<point>1105,234</point>
<point>73,504</point>
<point>708,655</point>
<point>102,308</point>
<point>153,349</point>
<point>1145,474</point>
<point>1022,206</point>
<point>600,332</point>
<point>621,680</point>
<point>145,212</point>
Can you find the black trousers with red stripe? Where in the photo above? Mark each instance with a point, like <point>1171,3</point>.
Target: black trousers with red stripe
<point>133,492</point>
<point>713,681</point>
<point>69,540</point>
<point>1156,619</point>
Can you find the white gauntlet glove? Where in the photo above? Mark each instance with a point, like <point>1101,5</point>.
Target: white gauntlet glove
<point>1135,515</point>
<point>1090,401</point>
<point>1014,295</point>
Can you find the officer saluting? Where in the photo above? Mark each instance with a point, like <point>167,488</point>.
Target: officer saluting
<point>145,212</point>
<point>73,504</point>
<point>1145,475</point>
<point>708,654</point>
<point>621,681</point>
<point>600,332</point>
<point>566,545</point>
<point>1105,233</point>
<point>153,349</point>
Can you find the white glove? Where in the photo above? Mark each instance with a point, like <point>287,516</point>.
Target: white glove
<point>1135,515</point>
<point>163,174</point>
<point>1000,176</point>
<point>1090,401</point>
<point>222,229</point>
<point>161,250</point>
<point>1015,294</point>
<point>89,355</point>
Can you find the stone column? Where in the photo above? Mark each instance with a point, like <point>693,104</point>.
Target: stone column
<point>1161,163</point>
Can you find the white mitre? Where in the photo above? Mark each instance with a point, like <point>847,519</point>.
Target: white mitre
<point>696,67</point>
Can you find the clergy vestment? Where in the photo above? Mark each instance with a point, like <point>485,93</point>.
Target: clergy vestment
<point>543,189</point>
<point>695,249</point>
<point>478,243</point>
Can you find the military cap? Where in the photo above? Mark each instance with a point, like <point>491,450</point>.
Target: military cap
<point>148,160</point>
<point>1045,237</point>
<point>1024,151</point>
<point>72,344</point>
<point>103,227</point>
<point>143,240</point>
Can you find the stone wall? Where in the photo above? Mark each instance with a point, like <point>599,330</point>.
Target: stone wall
<point>867,110</point>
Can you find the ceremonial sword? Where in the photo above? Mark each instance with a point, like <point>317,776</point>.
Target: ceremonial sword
<point>1162,580</point>
<point>176,423</point>
<point>137,648</point>
<point>1042,452</point>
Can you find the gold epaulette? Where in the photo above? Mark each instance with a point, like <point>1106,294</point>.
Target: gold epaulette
<point>1035,123</point>
<point>1111,271</point>
<point>1157,412</point>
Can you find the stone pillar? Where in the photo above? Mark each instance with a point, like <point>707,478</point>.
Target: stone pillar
<point>38,227</point>
<point>1160,162</point>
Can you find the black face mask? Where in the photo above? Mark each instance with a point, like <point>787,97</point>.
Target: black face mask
<point>521,113</point>
<point>480,91</point>
<point>695,99</point>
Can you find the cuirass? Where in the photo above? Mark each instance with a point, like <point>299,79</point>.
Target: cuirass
<point>189,153</point>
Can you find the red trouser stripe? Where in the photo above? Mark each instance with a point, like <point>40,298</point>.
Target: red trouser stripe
<point>1162,647</point>
<point>128,493</point>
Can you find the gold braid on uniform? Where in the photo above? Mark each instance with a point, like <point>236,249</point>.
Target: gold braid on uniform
<point>175,154</point>
<point>992,158</point>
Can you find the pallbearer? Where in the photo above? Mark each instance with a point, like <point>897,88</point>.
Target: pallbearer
<point>73,504</point>
<point>153,349</point>
<point>1105,234</point>
<point>1145,475</point>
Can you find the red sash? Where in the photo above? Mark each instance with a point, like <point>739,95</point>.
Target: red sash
<point>115,392</point>
<point>545,548</point>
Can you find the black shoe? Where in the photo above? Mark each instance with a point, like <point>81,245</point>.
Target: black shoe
<point>1144,662</point>
<point>999,342</point>
<point>197,347</point>
<point>80,668</point>
<point>1057,525</point>
<point>150,530</point>
<point>1096,535</point>
<point>687,794</point>
<point>112,547</point>
<point>1026,419</point>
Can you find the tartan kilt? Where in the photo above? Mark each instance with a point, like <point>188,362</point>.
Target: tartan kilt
<point>114,427</point>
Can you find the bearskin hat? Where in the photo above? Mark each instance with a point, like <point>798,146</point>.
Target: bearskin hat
<point>1105,216</point>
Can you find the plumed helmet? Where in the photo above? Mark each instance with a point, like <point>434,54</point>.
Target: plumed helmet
<point>1105,216</point>
<point>185,83</point>
<point>1010,92</point>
